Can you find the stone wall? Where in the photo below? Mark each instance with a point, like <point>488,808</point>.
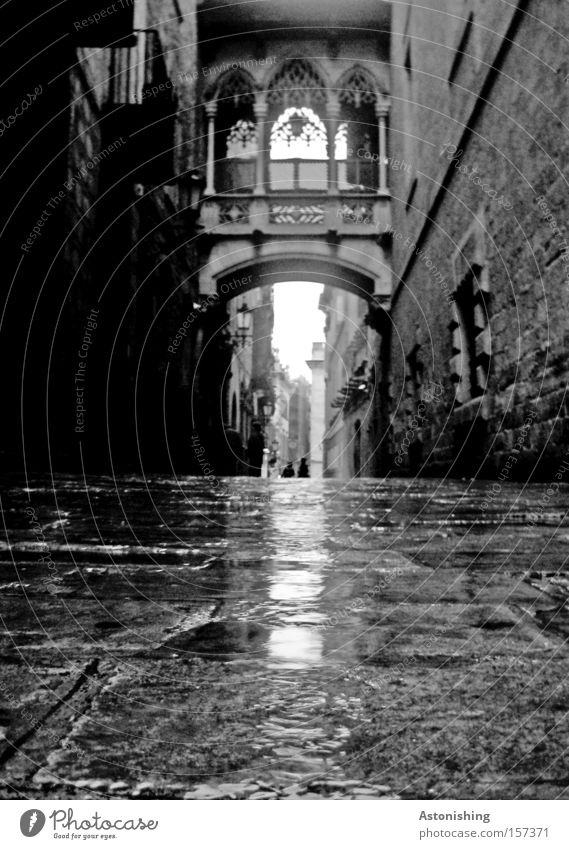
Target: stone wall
<point>484,128</point>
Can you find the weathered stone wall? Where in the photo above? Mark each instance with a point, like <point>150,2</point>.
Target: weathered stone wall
<point>481,209</point>
<point>349,342</point>
<point>177,25</point>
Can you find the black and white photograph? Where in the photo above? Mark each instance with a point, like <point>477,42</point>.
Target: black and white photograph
<point>284,442</point>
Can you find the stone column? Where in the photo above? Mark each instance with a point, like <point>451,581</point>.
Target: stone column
<point>211,111</point>
<point>261,110</point>
<point>317,409</point>
<point>332,116</point>
<point>382,111</point>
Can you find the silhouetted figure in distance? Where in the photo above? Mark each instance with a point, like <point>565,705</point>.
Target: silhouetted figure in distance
<point>288,471</point>
<point>303,470</point>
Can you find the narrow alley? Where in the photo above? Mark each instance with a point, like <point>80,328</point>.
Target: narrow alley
<point>392,639</point>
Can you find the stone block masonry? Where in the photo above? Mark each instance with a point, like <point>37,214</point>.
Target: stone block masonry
<point>488,206</point>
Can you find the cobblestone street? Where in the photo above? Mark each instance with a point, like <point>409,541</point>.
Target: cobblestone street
<point>361,640</point>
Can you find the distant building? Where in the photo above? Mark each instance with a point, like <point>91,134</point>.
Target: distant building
<point>299,419</point>
<point>248,384</point>
<point>348,365</point>
<point>279,428</point>
<point>317,401</point>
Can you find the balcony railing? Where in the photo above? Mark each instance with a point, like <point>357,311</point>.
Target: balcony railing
<point>349,213</point>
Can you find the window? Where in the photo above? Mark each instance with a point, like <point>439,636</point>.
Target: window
<point>299,151</point>
<point>470,362</point>
<point>296,83</point>
<point>236,134</point>
<point>242,140</point>
<point>358,160</point>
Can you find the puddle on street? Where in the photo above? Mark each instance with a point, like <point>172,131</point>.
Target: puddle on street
<point>294,648</point>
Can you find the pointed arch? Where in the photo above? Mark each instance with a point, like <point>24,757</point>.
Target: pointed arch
<point>235,143</point>
<point>235,87</point>
<point>296,82</point>
<point>357,87</point>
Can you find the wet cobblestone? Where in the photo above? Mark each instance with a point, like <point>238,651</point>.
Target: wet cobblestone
<point>362,640</point>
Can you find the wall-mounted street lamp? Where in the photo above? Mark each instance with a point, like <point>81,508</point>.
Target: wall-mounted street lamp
<point>266,409</point>
<point>195,188</point>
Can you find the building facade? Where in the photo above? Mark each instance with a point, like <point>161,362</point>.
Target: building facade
<point>299,415</point>
<point>350,352</point>
<point>279,426</point>
<point>97,237</point>
<point>249,385</point>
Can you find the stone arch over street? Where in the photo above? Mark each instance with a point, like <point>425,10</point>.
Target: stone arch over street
<point>292,266</point>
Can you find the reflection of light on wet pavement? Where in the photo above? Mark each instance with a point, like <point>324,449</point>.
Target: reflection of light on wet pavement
<point>295,647</point>
<point>295,580</point>
<point>295,584</point>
